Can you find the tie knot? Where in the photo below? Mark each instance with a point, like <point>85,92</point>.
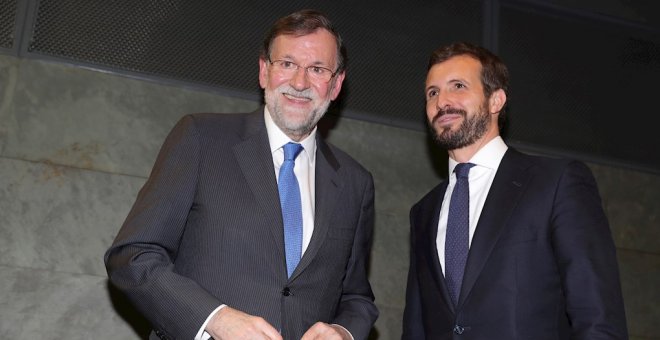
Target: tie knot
<point>463,169</point>
<point>291,151</point>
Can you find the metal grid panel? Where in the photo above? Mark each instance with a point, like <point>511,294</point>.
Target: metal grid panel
<point>8,10</point>
<point>216,43</point>
<point>389,44</point>
<point>572,80</point>
<point>185,40</point>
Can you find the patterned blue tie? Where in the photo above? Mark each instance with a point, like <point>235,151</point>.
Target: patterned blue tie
<point>291,207</point>
<point>458,235</point>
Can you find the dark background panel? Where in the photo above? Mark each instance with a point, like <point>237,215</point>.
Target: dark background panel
<point>582,86</point>
<point>636,11</point>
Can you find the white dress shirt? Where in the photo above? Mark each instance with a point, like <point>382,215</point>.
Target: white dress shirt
<point>481,176</point>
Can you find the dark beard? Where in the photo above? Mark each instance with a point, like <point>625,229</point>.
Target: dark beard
<point>471,129</point>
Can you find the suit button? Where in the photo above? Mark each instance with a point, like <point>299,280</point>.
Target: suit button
<point>286,291</point>
<point>459,330</point>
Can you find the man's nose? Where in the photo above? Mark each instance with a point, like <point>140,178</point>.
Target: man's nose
<point>300,79</point>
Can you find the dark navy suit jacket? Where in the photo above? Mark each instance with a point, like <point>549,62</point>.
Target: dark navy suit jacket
<point>541,265</point>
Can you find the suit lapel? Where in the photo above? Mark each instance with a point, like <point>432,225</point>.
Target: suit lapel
<point>505,192</point>
<point>255,159</point>
<point>328,189</point>
<point>429,223</point>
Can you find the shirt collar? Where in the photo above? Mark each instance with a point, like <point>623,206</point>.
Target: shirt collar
<point>277,138</point>
<point>488,156</point>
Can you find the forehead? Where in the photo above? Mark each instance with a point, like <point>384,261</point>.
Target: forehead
<point>318,46</point>
<point>461,67</point>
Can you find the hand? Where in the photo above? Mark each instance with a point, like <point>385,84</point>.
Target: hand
<point>229,324</point>
<point>324,331</point>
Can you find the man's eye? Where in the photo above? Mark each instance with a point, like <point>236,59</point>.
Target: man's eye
<point>459,85</point>
<point>288,65</point>
<point>317,70</point>
<point>432,93</point>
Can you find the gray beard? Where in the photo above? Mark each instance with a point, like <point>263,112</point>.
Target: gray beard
<point>290,128</point>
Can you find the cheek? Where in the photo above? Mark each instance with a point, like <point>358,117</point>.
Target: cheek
<point>323,91</point>
<point>273,82</point>
<point>431,109</point>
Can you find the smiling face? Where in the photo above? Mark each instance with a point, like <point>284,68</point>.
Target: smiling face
<point>456,108</point>
<point>296,102</point>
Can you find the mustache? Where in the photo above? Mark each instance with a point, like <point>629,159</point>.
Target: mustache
<point>448,110</point>
<point>306,93</point>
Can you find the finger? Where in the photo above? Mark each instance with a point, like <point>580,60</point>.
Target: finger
<point>272,334</point>
<point>315,332</point>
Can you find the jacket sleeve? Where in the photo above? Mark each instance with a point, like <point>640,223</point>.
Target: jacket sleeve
<point>586,257</point>
<point>140,260</point>
<point>357,311</point>
<point>413,328</point>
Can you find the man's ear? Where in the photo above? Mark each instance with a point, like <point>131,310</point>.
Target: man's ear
<point>496,101</point>
<point>337,83</point>
<point>263,73</point>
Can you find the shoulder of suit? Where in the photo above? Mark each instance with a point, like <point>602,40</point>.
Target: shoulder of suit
<point>220,117</point>
<point>220,124</point>
<point>546,164</point>
<point>335,154</point>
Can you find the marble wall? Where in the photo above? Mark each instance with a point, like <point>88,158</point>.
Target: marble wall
<point>76,145</point>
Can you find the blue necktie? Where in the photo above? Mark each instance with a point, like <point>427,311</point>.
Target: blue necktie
<point>458,235</point>
<point>291,207</point>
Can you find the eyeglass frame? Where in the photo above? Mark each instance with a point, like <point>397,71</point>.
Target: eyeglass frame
<point>306,68</point>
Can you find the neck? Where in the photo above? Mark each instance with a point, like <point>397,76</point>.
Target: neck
<point>466,153</point>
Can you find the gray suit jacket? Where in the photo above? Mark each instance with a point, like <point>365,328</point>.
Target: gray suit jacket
<point>206,229</point>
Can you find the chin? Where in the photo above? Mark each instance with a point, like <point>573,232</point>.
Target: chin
<point>442,130</point>
<point>296,112</point>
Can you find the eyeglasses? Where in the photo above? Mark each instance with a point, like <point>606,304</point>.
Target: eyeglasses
<point>315,73</point>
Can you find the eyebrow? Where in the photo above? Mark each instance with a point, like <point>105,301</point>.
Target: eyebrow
<point>458,80</point>
<point>315,63</point>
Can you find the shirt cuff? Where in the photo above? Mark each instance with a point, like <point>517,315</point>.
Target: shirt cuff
<point>344,328</point>
<point>202,334</point>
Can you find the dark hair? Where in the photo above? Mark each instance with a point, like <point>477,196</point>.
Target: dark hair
<point>301,23</point>
<point>494,74</point>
